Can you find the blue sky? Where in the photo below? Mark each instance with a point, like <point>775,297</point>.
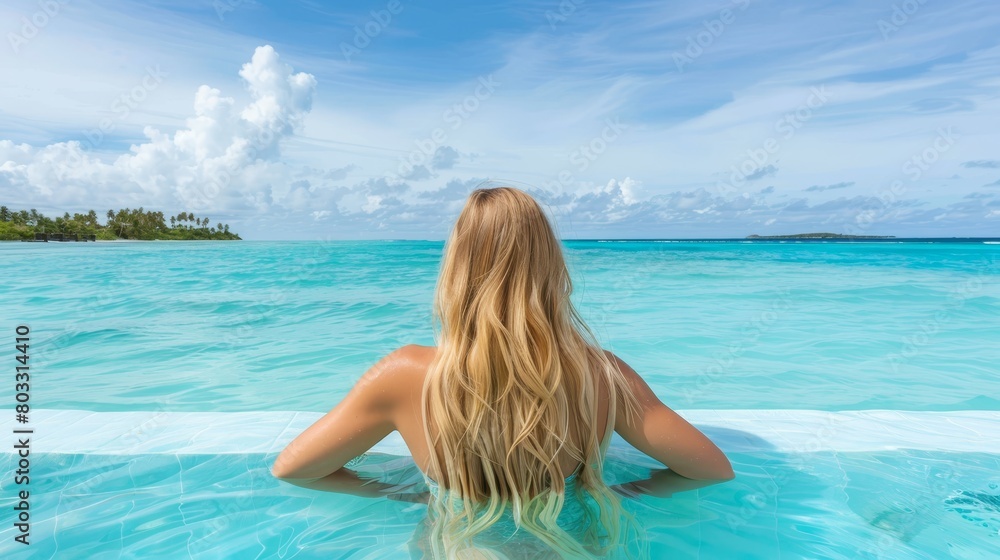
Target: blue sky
<point>316,120</point>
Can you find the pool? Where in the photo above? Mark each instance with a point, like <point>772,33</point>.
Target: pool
<point>854,386</point>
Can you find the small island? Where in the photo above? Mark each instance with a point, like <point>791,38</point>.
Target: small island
<point>820,236</point>
<point>136,224</point>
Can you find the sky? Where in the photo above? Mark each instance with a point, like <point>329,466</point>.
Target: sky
<point>635,119</point>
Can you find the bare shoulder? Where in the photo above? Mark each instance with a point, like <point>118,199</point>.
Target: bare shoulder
<point>626,369</point>
<point>414,358</point>
<point>627,372</point>
<point>637,385</point>
<point>403,360</point>
<point>402,370</point>
<point>417,352</point>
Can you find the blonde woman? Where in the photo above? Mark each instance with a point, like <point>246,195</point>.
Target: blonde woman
<point>512,412</point>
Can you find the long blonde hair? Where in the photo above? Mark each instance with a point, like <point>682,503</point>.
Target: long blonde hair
<point>515,383</point>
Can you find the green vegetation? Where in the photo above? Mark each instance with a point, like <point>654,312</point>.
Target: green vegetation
<point>123,224</point>
<point>820,236</point>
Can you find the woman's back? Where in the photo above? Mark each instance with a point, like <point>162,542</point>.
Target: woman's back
<point>414,363</point>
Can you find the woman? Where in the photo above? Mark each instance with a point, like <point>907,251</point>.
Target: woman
<point>517,402</point>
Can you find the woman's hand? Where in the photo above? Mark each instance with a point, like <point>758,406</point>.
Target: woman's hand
<point>662,483</point>
<point>346,481</point>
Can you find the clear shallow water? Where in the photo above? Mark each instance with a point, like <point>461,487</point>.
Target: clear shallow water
<point>814,505</point>
<point>257,326</point>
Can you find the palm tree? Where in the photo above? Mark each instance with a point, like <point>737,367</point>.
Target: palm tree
<point>4,214</point>
<point>120,221</point>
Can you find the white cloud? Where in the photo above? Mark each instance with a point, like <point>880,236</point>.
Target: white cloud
<point>224,158</point>
<point>627,189</point>
<point>373,204</point>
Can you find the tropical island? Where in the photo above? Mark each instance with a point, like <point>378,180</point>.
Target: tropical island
<point>820,236</point>
<point>127,223</point>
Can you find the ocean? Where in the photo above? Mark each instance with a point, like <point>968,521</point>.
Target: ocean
<point>892,342</point>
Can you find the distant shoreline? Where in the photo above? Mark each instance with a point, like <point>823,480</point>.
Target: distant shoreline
<point>820,236</point>
<point>125,224</point>
<point>768,239</point>
<point>82,242</point>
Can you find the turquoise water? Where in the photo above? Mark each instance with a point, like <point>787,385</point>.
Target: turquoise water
<point>289,326</point>
<point>820,505</point>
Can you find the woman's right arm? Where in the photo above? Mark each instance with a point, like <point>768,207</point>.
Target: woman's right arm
<point>661,433</point>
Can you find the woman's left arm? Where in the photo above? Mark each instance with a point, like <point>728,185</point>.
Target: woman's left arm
<point>661,483</point>
<point>362,419</point>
